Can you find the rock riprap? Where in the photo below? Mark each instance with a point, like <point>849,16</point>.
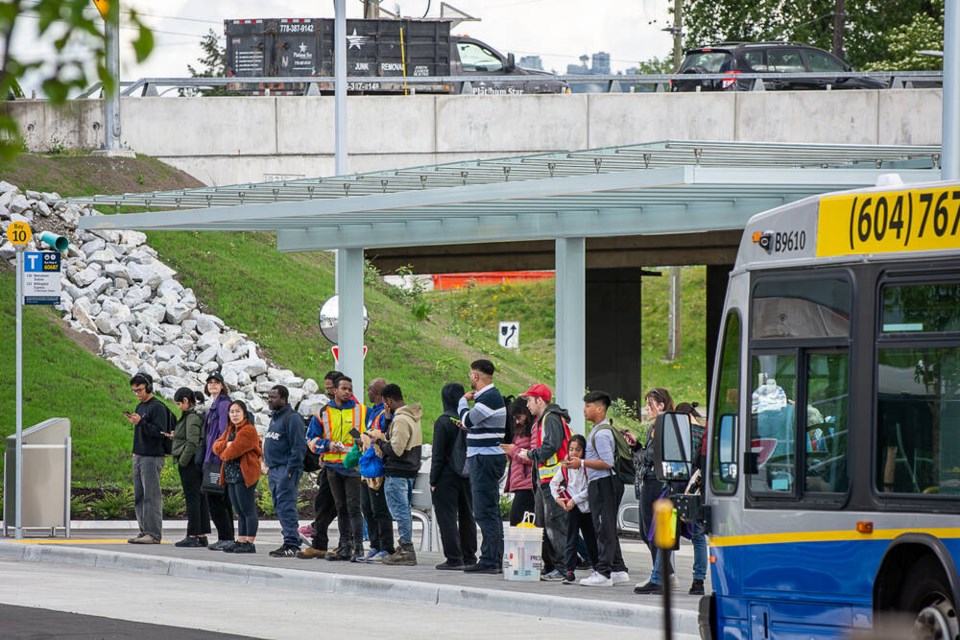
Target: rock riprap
<point>115,288</point>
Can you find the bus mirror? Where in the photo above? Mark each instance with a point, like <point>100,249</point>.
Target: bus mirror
<point>673,447</point>
<point>726,454</point>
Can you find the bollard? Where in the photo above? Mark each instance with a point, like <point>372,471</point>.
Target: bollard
<point>664,537</point>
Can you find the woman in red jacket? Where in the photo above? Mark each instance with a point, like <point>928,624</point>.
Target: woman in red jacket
<point>242,454</point>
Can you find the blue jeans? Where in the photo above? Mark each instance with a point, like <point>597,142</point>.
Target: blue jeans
<point>699,541</point>
<point>485,472</point>
<point>399,492</point>
<point>244,501</point>
<point>283,490</point>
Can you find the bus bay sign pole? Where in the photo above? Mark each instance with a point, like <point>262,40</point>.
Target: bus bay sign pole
<point>19,234</point>
<point>42,287</point>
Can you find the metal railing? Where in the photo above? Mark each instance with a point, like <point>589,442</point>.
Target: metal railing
<point>314,85</point>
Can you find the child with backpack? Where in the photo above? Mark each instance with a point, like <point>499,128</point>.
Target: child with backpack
<point>569,490</point>
<point>604,468</point>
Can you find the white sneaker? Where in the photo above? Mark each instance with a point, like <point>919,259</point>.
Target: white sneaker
<point>619,577</point>
<point>596,580</point>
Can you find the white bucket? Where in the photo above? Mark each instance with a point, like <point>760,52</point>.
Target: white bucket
<point>521,553</point>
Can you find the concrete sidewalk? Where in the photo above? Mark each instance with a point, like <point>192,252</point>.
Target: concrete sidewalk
<point>100,547</point>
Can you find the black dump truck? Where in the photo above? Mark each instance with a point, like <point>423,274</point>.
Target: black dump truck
<point>383,52</point>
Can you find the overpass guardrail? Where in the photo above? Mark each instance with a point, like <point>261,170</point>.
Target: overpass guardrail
<point>315,85</point>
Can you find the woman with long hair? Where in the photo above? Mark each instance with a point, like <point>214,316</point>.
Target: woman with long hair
<point>187,438</point>
<point>520,474</point>
<point>242,454</point>
<point>216,420</point>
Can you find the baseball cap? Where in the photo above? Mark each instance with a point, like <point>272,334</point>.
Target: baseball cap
<point>538,390</point>
<point>215,375</point>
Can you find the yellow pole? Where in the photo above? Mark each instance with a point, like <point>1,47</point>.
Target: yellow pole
<point>664,537</point>
<point>403,61</point>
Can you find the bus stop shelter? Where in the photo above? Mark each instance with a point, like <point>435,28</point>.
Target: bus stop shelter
<point>655,189</point>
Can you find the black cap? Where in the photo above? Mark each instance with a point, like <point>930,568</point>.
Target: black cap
<point>215,375</point>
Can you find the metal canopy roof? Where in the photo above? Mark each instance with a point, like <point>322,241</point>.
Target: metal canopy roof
<point>662,187</point>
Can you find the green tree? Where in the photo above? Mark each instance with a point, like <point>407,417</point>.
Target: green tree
<point>924,32</point>
<point>213,64</point>
<point>66,24</point>
<point>870,26</point>
<point>656,65</point>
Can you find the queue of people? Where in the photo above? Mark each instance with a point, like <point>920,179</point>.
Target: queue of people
<point>368,458</point>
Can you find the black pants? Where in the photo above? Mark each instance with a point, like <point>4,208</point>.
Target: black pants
<point>221,512</point>
<point>485,474</point>
<point>553,519</point>
<point>346,495</point>
<point>244,500</point>
<point>523,501</point>
<point>605,495</point>
<point>453,507</point>
<point>650,490</point>
<point>373,505</point>
<point>198,514</point>
<point>325,512</point>
<point>577,523</point>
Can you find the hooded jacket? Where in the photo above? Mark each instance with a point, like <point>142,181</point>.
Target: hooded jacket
<point>245,447</point>
<point>401,452</point>
<point>449,438</point>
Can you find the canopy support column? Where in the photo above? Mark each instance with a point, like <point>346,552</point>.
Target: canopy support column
<point>350,324</point>
<point>571,265</point>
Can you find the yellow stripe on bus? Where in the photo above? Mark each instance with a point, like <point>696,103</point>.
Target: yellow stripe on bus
<point>825,536</point>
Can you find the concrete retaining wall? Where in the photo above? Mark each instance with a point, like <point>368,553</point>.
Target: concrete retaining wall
<point>229,140</point>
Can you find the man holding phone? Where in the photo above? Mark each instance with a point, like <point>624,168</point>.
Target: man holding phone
<point>337,419</point>
<point>401,464</point>
<point>151,424</point>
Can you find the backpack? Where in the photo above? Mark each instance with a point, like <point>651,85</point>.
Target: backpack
<point>623,465</point>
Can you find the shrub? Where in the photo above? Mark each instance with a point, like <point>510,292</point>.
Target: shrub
<point>115,504</point>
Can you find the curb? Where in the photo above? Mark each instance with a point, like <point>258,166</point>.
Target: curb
<point>540,605</point>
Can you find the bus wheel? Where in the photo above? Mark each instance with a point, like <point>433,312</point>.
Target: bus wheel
<point>926,595</point>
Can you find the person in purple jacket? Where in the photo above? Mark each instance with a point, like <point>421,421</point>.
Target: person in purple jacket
<point>221,512</point>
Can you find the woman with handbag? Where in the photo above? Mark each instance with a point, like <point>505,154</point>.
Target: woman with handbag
<point>187,438</point>
<point>242,454</point>
<point>215,425</point>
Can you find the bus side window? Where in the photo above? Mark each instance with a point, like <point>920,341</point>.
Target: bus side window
<point>826,427</point>
<point>723,430</point>
<point>773,423</point>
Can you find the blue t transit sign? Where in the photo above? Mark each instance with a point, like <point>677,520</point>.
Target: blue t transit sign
<point>41,277</point>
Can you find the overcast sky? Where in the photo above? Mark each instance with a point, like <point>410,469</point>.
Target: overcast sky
<point>559,31</point>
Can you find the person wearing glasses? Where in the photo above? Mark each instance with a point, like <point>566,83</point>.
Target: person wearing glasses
<point>153,424</point>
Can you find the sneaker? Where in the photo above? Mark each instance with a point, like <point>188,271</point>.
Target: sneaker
<point>405,556</point>
<point>377,559</point>
<point>310,552</point>
<point>220,544</point>
<point>228,547</point>
<point>554,576</point>
<point>449,566</point>
<point>482,569</point>
<point>244,547</point>
<point>649,589</point>
<point>306,530</point>
<point>368,555</point>
<point>570,578</point>
<point>144,538</point>
<point>203,541</point>
<point>284,552</point>
<point>696,589</point>
<point>596,579</point>
<point>189,543</point>
<point>619,577</point>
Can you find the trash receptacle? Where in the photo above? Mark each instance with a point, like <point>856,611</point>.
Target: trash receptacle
<point>46,478</point>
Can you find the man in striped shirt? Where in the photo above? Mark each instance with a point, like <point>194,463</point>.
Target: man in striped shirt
<point>485,424</point>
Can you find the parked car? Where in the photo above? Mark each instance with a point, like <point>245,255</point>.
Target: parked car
<point>734,58</point>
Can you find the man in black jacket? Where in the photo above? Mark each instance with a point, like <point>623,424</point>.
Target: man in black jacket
<point>283,447</point>
<point>152,424</point>
<point>450,484</point>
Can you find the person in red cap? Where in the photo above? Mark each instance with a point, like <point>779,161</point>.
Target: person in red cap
<point>551,436</point>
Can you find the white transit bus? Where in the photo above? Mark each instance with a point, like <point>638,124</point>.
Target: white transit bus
<point>832,483</point>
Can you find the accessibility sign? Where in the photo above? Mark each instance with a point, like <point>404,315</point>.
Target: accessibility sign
<point>41,277</point>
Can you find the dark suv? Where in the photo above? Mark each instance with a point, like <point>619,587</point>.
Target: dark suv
<point>734,58</point>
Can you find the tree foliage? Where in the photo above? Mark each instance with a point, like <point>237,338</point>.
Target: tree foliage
<point>68,25</point>
<point>656,66</point>
<point>213,64</point>
<point>872,27</point>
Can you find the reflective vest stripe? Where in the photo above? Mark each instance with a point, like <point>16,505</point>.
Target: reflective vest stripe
<point>344,436</point>
<point>546,470</point>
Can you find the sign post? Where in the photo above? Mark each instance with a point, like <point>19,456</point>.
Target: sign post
<point>19,234</point>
